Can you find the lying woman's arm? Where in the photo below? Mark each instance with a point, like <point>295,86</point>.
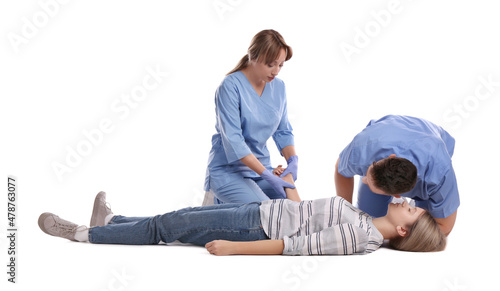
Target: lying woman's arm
<point>291,194</point>
<point>260,247</point>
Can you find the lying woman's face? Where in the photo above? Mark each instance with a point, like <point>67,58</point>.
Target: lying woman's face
<point>403,214</point>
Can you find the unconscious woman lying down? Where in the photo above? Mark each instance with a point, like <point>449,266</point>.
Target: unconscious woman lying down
<point>329,226</point>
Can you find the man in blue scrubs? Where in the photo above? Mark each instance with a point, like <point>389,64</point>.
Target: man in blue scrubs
<point>426,145</point>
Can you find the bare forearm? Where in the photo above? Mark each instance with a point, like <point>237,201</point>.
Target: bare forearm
<point>446,224</point>
<point>291,194</point>
<point>288,151</point>
<point>253,163</point>
<point>343,185</point>
<point>260,247</point>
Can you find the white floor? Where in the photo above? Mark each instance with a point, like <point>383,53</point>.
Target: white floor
<point>88,105</point>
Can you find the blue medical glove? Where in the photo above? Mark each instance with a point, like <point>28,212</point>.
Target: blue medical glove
<point>276,182</point>
<point>292,168</point>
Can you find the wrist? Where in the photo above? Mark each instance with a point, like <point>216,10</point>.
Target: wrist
<point>266,173</point>
<point>253,163</point>
<point>232,248</point>
<point>292,159</point>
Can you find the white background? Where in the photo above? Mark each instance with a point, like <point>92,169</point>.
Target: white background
<point>63,66</point>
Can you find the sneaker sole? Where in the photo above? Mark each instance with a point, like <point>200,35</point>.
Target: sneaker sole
<point>96,207</point>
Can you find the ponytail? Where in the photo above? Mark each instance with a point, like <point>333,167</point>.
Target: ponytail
<point>243,63</point>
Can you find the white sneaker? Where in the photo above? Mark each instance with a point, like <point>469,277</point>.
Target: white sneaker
<point>52,224</point>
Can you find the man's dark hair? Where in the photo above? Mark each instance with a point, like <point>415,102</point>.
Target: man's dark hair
<point>394,175</point>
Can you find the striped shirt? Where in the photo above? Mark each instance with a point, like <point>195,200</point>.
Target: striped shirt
<point>328,226</point>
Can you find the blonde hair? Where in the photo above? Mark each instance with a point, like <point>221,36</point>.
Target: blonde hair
<point>425,236</point>
<point>265,46</point>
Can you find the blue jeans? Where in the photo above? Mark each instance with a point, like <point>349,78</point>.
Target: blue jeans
<point>245,190</point>
<point>198,225</point>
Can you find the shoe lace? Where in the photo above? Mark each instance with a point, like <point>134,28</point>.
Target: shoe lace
<point>64,227</point>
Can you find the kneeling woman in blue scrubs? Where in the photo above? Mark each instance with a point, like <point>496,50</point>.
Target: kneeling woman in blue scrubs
<point>251,107</point>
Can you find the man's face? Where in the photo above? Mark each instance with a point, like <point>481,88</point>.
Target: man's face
<point>370,182</point>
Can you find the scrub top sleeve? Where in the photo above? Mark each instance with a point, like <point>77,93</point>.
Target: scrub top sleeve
<point>342,239</point>
<point>283,135</point>
<point>228,118</point>
<point>448,140</point>
<point>347,167</point>
<point>445,200</point>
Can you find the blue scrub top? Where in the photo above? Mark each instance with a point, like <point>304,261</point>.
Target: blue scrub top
<point>428,146</point>
<point>244,123</point>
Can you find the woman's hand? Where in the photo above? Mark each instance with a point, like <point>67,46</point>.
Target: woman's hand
<point>276,182</point>
<point>292,168</point>
<point>220,247</point>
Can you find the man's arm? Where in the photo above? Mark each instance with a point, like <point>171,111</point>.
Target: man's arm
<point>260,247</point>
<point>446,224</point>
<point>343,185</point>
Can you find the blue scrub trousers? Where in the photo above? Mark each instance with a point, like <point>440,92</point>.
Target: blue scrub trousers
<point>196,225</point>
<point>245,190</point>
<point>374,204</point>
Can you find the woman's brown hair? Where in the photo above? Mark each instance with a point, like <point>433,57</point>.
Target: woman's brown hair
<point>265,47</point>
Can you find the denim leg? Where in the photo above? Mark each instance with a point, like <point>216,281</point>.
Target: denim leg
<point>374,204</point>
<point>199,225</point>
<point>117,219</point>
<point>241,190</point>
